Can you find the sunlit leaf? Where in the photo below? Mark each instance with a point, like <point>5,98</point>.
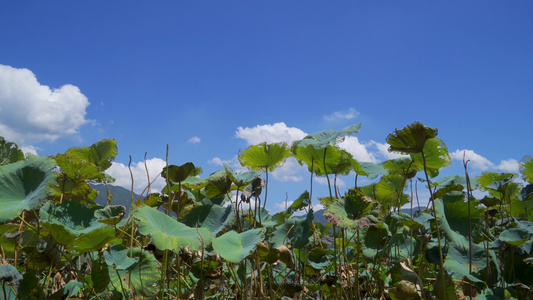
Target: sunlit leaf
<point>23,185</point>
<point>111,214</point>
<point>410,139</point>
<point>526,168</point>
<point>9,152</point>
<point>390,191</point>
<point>264,156</point>
<point>213,217</point>
<point>243,179</point>
<point>350,212</point>
<point>218,184</point>
<point>235,247</point>
<point>436,156</point>
<point>371,170</point>
<point>75,226</point>
<point>100,154</point>
<point>167,233</point>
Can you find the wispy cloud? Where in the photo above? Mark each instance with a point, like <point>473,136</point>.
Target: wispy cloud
<point>194,140</point>
<point>274,133</point>
<point>290,171</point>
<point>357,149</point>
<point>480,163</point>
<point>342,115</point>
<point>31,112</point>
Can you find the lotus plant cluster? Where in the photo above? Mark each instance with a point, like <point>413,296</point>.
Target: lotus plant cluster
<point>211,237</point>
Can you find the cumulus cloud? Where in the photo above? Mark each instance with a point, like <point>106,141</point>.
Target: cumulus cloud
<point>324,181</point>
<point>289,171</point>
<point>342,115</point>
<point>275,133</point>
<point>140,181</point>
<point>509,165</point>
<point>358,150</point>
<point>31,112</point>
<point>383,150</point>
<point>29,150</point>
<point>194,140</point>
<point>478,162</point>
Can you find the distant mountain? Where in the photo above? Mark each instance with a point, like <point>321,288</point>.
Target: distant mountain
<point>121,196</point>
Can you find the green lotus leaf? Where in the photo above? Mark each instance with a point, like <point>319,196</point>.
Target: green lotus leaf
<point>9,152</point>
<point>401,166</point>
<point>235,247</point>
<point>410,139</point>
<point>350,212</point>
<point>457,262</point>
<point>496,181</point>
<point>345,164</point>
<point>295,231</point>
<point>436,157</point>
<point>322,139</point>
<point>515,236</point>
<point>75,226</point>
<point>219,184</point>
<point>526,168</point>
<point>371,170</point>
<point>389,191</point>
<point>23,185</point>
<point>77,169</point>
<point>143,276</point>
<point>213,217</point>
<point>243,179</point>
<point>298,204</point>
<point>100,154</point>
<point>117,257</point>
<point>167,233</point>
<point>453,220</point>
<point>195,182</point>
<point>314,157</point>
<point>8,273</point>
<point>111,214</point>
<point>264,156</point>
<point>177,174</point>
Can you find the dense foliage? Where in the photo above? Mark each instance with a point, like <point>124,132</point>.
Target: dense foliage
<point>212,238</point>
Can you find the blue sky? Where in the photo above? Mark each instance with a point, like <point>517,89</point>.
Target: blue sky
<point>210,77</point>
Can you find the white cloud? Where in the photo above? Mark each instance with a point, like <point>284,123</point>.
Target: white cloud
<point>342,115</point>
<point>509,165</point>
<point>29,150</point>
<point>194,140</point>
<point>31,112</point>
<point>478,162</point>
<point>359,151</point>
<point>288,172</point>
<point>383,149</point>
<point>140,181</point>
<point>283,205</point>
<point>324,181</point>
<point>275,133</point>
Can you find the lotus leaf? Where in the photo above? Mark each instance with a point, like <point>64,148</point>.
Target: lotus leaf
<point>235,247</point>
<point>23,185</point>
<point>265,157</point>
<point>213,217</point>
<point>75,226</point>
<point>143,276</point>
<point>9,152</point>
<point>410,139</point>
<point>167,233</point>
